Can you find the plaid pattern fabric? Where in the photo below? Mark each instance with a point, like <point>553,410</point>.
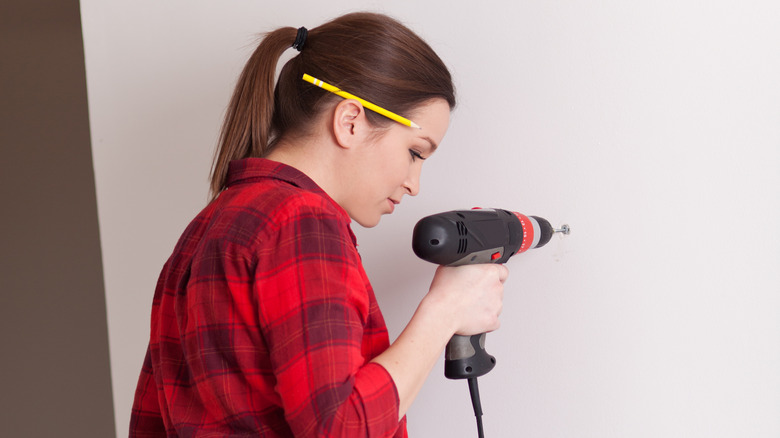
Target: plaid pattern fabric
<point>264,322</point>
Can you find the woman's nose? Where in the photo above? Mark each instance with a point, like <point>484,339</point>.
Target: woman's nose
<point>412,183</point>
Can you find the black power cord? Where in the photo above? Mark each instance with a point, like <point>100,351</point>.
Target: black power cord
<point>474,391</point>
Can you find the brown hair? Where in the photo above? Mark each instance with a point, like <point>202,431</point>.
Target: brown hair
<point>370,55</point>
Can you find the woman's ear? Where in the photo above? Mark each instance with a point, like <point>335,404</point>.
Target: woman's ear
<point>350,126</point>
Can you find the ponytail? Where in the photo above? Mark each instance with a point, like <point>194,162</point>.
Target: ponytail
<point>246,130</point>
<point>370,55</point>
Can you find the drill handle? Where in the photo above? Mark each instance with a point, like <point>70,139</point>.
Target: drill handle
<point>465,357</point>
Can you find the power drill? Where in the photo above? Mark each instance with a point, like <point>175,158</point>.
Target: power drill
<point>463,237</point>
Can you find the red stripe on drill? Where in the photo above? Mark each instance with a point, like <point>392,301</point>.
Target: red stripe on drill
<point>528,232</point>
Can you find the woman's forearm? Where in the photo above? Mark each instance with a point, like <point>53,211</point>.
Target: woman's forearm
<point>411,357</point>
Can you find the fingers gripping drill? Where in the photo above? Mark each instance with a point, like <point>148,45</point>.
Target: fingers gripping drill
<point>463,237</point>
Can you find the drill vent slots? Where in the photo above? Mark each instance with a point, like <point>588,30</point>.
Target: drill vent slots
<point>463,241</point>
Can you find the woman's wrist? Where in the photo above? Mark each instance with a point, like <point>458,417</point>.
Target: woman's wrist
<point>438,314</point>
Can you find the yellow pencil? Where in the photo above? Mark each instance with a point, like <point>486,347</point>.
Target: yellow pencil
<point>390,115</point>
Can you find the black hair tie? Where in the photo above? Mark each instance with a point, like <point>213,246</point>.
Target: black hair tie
<point>300,39</point>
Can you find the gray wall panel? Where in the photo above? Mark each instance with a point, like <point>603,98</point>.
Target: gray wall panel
<point>54,371</point>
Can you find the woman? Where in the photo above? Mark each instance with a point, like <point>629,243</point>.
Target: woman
<point>264,322</point>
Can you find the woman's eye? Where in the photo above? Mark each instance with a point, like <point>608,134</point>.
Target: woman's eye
<point>415,155</point>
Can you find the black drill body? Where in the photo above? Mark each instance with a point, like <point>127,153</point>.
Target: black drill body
<point>463,237</point>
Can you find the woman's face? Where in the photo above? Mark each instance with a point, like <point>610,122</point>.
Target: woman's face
<point>390,167</point>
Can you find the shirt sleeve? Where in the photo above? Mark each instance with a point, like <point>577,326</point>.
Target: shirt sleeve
<point>146,418</point>
<point>313,304</point>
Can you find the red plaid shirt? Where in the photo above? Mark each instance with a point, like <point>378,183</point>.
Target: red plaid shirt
<point>264,322</point>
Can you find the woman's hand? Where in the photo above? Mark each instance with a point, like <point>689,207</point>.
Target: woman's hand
<point>463,300</point>
<point>471,296</point>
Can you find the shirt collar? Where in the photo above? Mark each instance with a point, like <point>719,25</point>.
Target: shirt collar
<point>252,169</point>
<point>249,170</point>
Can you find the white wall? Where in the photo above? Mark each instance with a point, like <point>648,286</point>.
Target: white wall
<point>652,128</point>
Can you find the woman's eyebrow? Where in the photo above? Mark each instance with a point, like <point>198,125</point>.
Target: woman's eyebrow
<point>433,143</point>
